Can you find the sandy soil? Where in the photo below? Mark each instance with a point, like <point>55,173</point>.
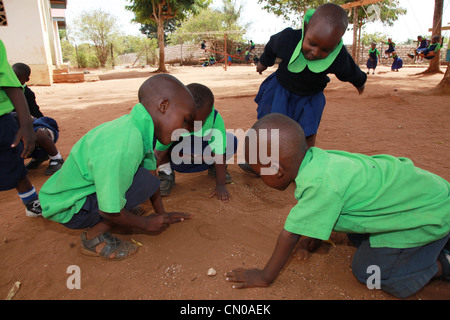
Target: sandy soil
<point>397,114</point>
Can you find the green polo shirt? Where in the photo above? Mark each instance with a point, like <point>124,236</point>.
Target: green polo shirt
<point>398,204</point>
<point>104,161</point>
<point>7,79</point>
<point>213,128</point>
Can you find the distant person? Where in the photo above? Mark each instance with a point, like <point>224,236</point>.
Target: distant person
<point>431,51</point>
<point>107,174</point>
<point>372,61</point>
<point>397,62</point>
<point>422,44</point>
<point>45,128</point>
<point>397,215</point>
<point>296,88</point>
<point>391,47</point>
<point>216,146</point>
<point>247,56</point>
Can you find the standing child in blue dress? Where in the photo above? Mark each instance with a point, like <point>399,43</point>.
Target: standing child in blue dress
<point>397,63</point>
<point>372,61</point>
<point>308,55</point>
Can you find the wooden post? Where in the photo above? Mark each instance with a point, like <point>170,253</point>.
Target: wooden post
<point>225,51</point>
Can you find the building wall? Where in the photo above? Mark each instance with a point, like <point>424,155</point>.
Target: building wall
<point>28,37</point>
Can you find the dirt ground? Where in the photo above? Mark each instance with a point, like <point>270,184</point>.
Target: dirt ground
<point>397,114</point>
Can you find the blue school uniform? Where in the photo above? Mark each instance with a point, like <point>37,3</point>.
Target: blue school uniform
<point>296,88</point>
<point>372,62</point>
<point>12,167</point>
<point>397,63</point>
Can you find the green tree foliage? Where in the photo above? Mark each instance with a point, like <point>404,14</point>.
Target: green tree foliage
<point>211,26</point>
<point>155,12</point>
<point>99,28</point>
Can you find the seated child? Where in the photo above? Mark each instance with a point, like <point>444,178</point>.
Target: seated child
<point>372,61</point>
<point>213,142</point>
<point>397,62</point>
<point>106,175</point>
<point>17,138</point>
<point>45,128</point>
<point>400,213</point>
<point>430,52</point>
<point>47,133</point>
<point>422,44</point>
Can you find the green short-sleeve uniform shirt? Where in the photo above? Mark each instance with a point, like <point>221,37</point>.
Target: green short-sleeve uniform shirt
<point>104,161</point>
<point>213,129</point>
<point>7,79</point>
<point>398,204</point>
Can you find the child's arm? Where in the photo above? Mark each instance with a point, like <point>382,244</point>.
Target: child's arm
<point>249,278</point>
<point>150,223</point>
<point>25,132</point>
<point>221,190</point>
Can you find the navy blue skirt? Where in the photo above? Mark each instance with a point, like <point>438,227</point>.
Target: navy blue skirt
<point>307,111</point>
<point>372,64</point>
<point>397,64</point>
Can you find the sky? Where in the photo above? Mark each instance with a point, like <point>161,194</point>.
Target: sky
<point>417,21</point>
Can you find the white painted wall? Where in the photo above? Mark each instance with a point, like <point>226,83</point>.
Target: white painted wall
<point>29,37</point>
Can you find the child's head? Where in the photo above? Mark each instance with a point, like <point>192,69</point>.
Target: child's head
<point>204,100</point>
<point>22,72</point>
<point>284,139</point>
<point>435,38</point>
<point>324,31</point>
<point>373,45</point>
<point>169,103</point>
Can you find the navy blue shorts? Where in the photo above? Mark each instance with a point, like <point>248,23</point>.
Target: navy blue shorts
<point>403,272</point>
<point>144,185</point>
<point>12,168</point>
<point>307,111</point>
<point>188,145</point>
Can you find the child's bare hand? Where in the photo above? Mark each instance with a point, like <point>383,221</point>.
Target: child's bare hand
<point>305,246</point>
<point>28,138</point>
<point>260,67</point>
<point>222,193</point>
<point>247,278</point>
<point>160,222</point>
<point>360,89</point>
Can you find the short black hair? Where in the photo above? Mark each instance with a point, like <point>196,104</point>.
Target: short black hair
<point>22,70</point>
<point>292,141</point>
<point>335,15</point>
<point>203,96</point>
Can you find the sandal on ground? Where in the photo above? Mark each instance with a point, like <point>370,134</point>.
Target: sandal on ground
<point>444,259</point>
<point>167,182</point>
<point>138,210</point>
<point>247,168</point>
<point>114,246</point>
<point>212,173</point>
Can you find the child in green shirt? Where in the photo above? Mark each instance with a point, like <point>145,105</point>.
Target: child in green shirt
<point>107,173</point>
<point>399,214</point>
<point>204,149</point>
<point>17,139</point>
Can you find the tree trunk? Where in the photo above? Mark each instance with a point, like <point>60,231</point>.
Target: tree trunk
<point>437,27</point>
<point>444,85</point>
<point>160,32</point>
<point>355,32</point>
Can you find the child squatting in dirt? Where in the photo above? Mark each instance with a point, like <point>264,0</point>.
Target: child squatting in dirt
<point>396,214</point>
